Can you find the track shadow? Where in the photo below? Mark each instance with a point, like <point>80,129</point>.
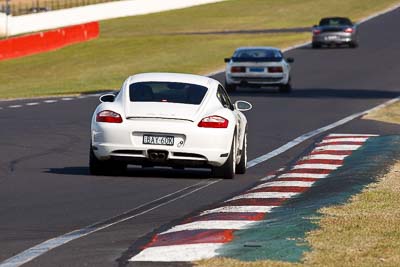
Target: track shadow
<point>318,93</point>
<point>326,48</point>
<point>135,171</point>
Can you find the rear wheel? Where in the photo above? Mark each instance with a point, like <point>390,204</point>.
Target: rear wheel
<point>285,88</point>
<point>242,165</point>
<point>105,167</point>
<point>228,169</point>
<point>353,45</point>
<point>315,45</point>
<point>230,87</point>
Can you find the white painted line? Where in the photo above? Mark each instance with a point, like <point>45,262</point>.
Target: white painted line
<point>67,98</point>
<point>285,184</point>
<point>358,135</point>
<point>325,156</point>
<point>50,101</point>
<point>268,177</point>
<point>379,13</point>
<point>190,252</point>
<point>303,175</point>
<point>32,104</point>
<point>311,134</point>
<point>265,195</point>
<point>356,139</point>
<point>210,225</point>
<point>50,244</point>
<point>316,166</point>
<point>247,208</point>
<point>338,147</point>
<point>15,106</point>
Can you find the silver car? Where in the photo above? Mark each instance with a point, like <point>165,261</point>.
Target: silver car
<point>335,31</point>
<point>258,67</point>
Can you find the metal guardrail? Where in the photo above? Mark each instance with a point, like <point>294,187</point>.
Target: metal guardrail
<point>22,7</point>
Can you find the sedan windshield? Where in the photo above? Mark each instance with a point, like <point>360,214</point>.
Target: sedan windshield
<point>335,22</point>
<point>172,92</point>
<point>243,55</point>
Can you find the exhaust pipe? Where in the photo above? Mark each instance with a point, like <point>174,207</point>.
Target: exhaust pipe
<point>158,156</point>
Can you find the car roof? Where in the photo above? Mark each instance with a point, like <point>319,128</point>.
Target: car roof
<point>335,18</point>
<point>173,77</point>
<point>257,47</point>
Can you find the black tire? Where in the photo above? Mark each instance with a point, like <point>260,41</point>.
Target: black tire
<point>230,87</point>
<point>241,167</point>
<point>285,88</point>
<point>228,169</point>
<point>105,167</point>
<point>353,45</point>
<point>315,45</point>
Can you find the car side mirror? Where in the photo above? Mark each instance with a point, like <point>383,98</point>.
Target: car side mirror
<point>226,60</point>
<point>243,105</point>
<point>107,98</point>
<point>290,60</point>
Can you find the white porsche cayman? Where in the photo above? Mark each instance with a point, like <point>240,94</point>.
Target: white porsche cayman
<point>166,119</point>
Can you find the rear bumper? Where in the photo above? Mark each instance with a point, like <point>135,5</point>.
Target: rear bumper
<point>334,38</point>
<point>192,146</point>
<point>270,80</point>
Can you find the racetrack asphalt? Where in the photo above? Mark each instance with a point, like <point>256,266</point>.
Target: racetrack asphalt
<point>46,191</point>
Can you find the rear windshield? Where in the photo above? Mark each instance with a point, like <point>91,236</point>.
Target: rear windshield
<point>335,22</point>
<point>184,93</point>
<point>257,55</point>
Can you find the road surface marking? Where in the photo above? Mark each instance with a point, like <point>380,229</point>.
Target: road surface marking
<point>248,208</point>
<point>190,252</point>
<point>316,166</point>
<point>285,183</point>
<point>211,224</point>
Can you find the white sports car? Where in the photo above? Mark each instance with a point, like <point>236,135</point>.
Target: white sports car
<point>258,66</point>
<point>166,119</point>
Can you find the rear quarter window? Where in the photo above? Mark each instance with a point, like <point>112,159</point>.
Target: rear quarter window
<point>172,92</point>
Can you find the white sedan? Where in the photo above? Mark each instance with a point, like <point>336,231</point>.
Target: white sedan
<point>166,119</point>
<point>258,66</point>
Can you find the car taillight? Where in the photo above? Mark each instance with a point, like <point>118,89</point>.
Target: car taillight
<point>316,31</point>
<point>349,30</point>
<point>108,116</point>
<point>275,69</point>
<point>238,69</point>
<point>214,122</point>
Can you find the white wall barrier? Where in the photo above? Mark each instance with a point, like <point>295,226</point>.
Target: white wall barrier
<point>78,15</point>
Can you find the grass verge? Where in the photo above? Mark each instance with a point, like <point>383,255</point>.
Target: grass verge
<point>363,232</point>
<point>390,114</point>
<point>157,42</point>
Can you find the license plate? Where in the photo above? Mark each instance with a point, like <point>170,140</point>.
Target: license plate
<point>158,140</point>
<point>330,38</point>
<point>256,69</point>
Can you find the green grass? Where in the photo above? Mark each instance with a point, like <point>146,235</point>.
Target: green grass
<point>153,43</point>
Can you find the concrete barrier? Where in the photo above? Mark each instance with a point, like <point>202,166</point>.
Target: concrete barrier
<point>78,15</point>
<point>46,41</point>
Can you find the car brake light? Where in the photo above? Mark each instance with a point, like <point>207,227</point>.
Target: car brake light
<point>316,31</point>
<point>108,116</point>
<point>349,30</point>
<point>238,69</point>
<point>275,69</point>
<point>214,122</point>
